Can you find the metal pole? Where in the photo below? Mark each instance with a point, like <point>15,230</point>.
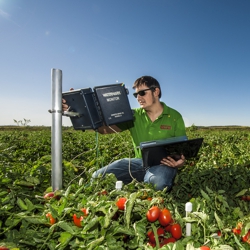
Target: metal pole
<point>56,129</point>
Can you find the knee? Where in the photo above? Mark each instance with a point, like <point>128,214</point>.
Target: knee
<point>98,173</point>
<point>161,179</point>
<point>94,175</point>
<point>160,183</point>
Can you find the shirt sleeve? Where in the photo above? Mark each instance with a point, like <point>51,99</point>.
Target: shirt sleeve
<point>125,125</point>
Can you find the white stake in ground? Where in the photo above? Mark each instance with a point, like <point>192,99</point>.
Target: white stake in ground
<point>188,209</point>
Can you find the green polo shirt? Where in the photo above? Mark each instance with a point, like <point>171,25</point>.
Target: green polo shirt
<point>169,124</point>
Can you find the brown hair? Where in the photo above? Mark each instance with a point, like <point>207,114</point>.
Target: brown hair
<point>149,81</point>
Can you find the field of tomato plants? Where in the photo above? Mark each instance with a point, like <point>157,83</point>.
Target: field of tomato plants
<point>89,214</point>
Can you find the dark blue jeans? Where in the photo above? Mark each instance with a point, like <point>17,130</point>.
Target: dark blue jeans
<point>159,176</point>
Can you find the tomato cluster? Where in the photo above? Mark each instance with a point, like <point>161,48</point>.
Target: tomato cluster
<point>168,231</point>
<point>245,197</point>
<point>238,231</point>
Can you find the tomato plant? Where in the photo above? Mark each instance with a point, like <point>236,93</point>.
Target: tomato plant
<point>165,217</point>
<point>215,184</point>
<point>153,214</point>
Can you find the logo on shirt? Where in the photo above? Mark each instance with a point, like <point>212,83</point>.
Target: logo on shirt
<point>165,127</point>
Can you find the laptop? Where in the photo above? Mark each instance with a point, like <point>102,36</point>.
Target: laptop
<point>154,151</point>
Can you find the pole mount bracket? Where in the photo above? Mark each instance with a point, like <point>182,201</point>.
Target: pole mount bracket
<point>54,111</point>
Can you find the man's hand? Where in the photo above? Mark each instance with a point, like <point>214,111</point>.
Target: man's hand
<point>168,161</point>
<point>64,104</point>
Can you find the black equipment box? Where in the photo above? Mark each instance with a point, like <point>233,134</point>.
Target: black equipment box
<point>106,105</point>
<point>82,110</point>
<point>114,104</point>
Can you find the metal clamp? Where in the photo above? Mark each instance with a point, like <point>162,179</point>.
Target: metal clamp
<point>71,114</point>
<point>54,111</point>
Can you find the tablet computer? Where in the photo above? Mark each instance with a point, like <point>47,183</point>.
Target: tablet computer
<point>154,151</point>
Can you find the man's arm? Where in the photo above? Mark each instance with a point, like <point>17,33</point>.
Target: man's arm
<point>109,129</point>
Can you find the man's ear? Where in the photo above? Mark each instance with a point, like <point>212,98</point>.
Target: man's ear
<point>157,92</point>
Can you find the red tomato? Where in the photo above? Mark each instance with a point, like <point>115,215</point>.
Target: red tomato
<point>151,236</point>
<point>121,203</point>
<point>85,212</point>
<point>77,220</point>
<point>204,248</point>
<point>160,231</point>
<point>52,220</point>
<point>4,248</point>
<point>236,231</point>
<point>48,195</point>
<point>168,240</point>
<point>176,231</point>
<point>153,214</point>
<point>244,197</point>
<point>168,227</point>
<point>165,217</point>
<point>103,192</point>
<point>246,237</point>
<point>247,198</point>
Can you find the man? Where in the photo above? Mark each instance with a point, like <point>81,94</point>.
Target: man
<point>152,121</point>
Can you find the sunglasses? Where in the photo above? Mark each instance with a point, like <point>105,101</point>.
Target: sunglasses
<point>142,92</point>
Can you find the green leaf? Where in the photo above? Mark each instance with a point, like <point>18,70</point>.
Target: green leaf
<point>29,204</point>
<point>128,208</point>
<point>64,239</point>
<point>66,227</point>
<point>219,222</point>
<point>21,204</point>
<point>205,196</point>
<point>95,243</point>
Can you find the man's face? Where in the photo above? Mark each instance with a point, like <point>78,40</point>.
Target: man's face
<point>146,100</point>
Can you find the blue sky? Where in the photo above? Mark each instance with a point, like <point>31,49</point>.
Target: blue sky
<point>199,51</point>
